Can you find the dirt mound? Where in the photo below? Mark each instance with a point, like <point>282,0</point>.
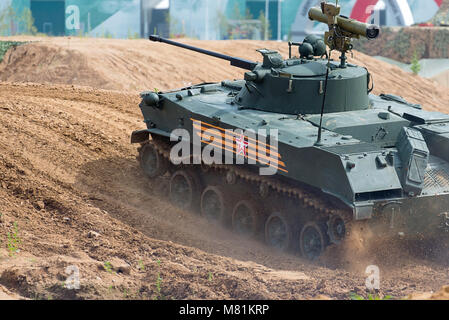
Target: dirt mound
<point>47,63</point>
<point>138,65</point>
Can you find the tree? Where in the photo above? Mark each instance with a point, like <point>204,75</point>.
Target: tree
<point>415,66</point>
<point>26,22</point>
<point>223,25</point>
<point>12,22</point>
<point>175,27</point>
<point>6,18</point>
<point>265,26</point>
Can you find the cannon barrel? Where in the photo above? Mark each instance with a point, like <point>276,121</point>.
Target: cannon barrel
<point>236,62</point>
<point>350,25</point>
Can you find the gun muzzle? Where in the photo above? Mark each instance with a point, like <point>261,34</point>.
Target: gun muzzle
<point>350,25</point>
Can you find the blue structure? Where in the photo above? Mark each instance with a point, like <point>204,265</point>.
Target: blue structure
<point>201,19</point>
<point>111,18</point>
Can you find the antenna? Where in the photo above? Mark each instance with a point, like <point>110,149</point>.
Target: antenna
<point>320,129</point>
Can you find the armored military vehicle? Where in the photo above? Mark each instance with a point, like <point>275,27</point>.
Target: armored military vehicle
<point>340,155</point>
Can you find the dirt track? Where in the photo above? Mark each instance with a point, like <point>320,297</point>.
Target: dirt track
<point>67,172</point>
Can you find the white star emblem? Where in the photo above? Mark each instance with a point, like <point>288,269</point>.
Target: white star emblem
<point>241,145</point>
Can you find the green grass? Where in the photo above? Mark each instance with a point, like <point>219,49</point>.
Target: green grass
<point>354,296</point>
<point>415,66</point>
<point>141,265</point>
<point>6,45</point>
<point>159,295</point>
<point>108,267</point>
<point>13,240</point>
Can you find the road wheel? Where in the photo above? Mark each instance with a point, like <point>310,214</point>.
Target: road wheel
<point>246,218</point>
<point>184,189</point>
<point>278,231</point>
<point>215,202</point>
<point>152,162</point>
<point>312,240</point>
<point>336,229</point>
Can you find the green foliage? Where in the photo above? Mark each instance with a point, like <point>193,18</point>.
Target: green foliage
<point>105,34</point>
<point>243,26</point>
<point>108,267</point>
<point>236,12</point>
<point>133,35</point>
<point>13,240</point>
<point>108,35</point>
<point>81,34</point>
<point>354,296</point>
<point>158,295</point>
<point>158,284</point>
<point>223,24</point>
<point>210,277</point>
<point>141,265</point>
<point>401,44</point>
<point>125,293</point>
<point>6,45</point>
<point>12,23</point>
<point>6,18</point>
<point>26,21</point>
<point>265,23</point>
<point>415,66</point>
<point>176,28</point>
<point>441,42</point>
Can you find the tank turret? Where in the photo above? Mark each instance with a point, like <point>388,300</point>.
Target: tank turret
<point>297,85</point>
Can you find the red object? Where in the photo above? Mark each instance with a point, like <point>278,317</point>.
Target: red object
<point>426,24</point>
<point>363,9</point>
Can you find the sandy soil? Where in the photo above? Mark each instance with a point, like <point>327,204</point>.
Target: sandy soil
<point>72,193</point>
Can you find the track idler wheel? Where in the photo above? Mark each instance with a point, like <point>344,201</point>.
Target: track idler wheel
<point>184,189</point>
<point>152,162</point>
<point>216,204</point>
<point>312,240</point>
<point>278,231</point>
<point>247,218</point>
